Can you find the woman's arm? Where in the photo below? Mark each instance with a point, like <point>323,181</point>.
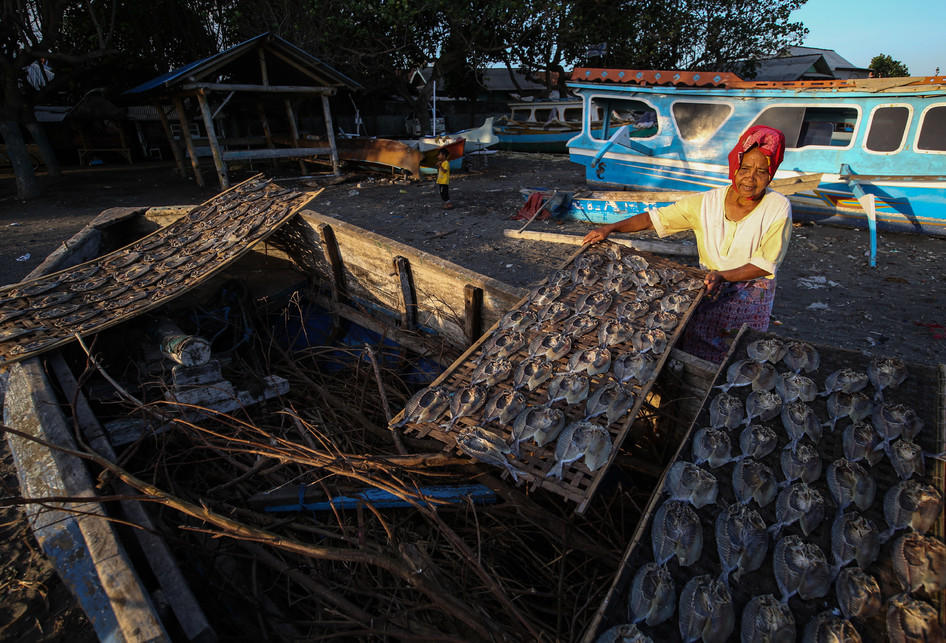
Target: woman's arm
<point>631,224</point>
<point>746,272</point>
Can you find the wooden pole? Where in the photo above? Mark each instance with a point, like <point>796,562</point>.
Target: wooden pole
<point>266,131</point>
<point>188,142</point>
<point>330,129</point>
<point>212,139</point>
<point>294,128</point>
<point>175,147</point>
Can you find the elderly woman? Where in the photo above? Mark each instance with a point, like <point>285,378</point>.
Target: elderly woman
<point>742,233</point>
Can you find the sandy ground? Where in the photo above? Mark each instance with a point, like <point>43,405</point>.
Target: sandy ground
<point>827,292</point>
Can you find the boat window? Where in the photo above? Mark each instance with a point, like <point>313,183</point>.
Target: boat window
<point>699,121</point>
<point>544,115</point>
<point>933,130</point>
<point>640,117</point>
<point>888,126</point>
<point>811,126</point>
<point>572,114</point>
<point>521,114</point>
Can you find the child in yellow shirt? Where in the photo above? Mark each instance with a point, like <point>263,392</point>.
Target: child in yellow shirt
<point>443,178</point>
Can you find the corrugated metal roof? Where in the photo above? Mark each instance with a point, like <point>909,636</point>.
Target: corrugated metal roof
<point>51,113</point>
<point>304,64</point>
<point>808,67</point>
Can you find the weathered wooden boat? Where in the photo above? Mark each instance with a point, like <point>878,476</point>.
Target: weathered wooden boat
<point>456,148</point>
<point>76,410</point>
<point>384,153</point>
<point>878,143</point>
<point>543,125</point>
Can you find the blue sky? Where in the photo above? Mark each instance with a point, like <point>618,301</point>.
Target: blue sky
<point>910,31</point>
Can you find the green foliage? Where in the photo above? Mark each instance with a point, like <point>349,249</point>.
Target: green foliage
<point>884,66</point>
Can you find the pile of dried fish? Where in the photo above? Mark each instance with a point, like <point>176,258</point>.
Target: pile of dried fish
<point>550,386</point>
<point>39,314</point>
<point>815,480</point>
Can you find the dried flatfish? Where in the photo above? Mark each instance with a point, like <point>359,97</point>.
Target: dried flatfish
<point>158,256</point>
<point>799,503</point>
<point>653,340</point>
<point>56,311</point>
<point>711,446</point>
<point>80,274</point>
<point>661,319</point>
<point>590,360</point>
<point>491,372</point>
<point>176,262</point>
<point>585,276</point>
<point>504,406</point>
<point>850,483</point>
<point>860,442</point>
<point>56,299</point>
<point>854,537</point>
<point>845,379</point>
<point>559,277</point>
<point>907,459</point>
<point>554,312</point>
<point>466,401</point>
<point>671,275</point>
<point>619,283</point>
<point>893,420</point>
<point>690,283</point>
<point>911,504</point>
<point>706,611</point>
<point>757,441</point>
<point>579,325</point>
<point>581,440</point>
<point>126,301</point>
<point>741,541</point>
<point>801,356</point>
<point>635,262</point>
<point>764,405</point>
<point>79,317</point>
<point>794,386</point>
<point>10,315</point>
<point>426,405</point>
<point>33,289</point>
<point>542,295</point>
<point>653,597</point>
<point>615,268</point>
<point>615,331</point>
<point>910,620</point>
<point>726,411</point>
<point>503,344</point>
<point>540,423</point>
<point>519,319</point>
<point>631,309</point>
<point>800,568</point>
<point>625,633</point>
<point>858,593</point>
<point>753,480</point>
<point>532,373</point>
<point>800,420</point>
<point>767,620</point>
<point>828,627</point>
<point>486,447</point>
<point>856,406</point>
<point>611,400</point>
<point>886,372</point>
<point>594,303</point>
<point>676,302</point>
<point>690,483</point>
<point>801,463</point>
<point>636,366</point>
<point>590,260</point>
<point>571,387</point>
<point>919,561</point>
<point>550,346</point>
<point>123,259</point>
<point>766,350</point>
<point>650,293</point>
<point>676,531</point>
<point>646,277</point>
<point>133,273</point>
<point>178,241</point>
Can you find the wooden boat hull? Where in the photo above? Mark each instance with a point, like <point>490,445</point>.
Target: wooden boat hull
<point>477,140</point>
<point>455,150</point>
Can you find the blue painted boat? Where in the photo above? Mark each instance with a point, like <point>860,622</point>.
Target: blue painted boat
<point>880,144</point>
<point>543,126</point>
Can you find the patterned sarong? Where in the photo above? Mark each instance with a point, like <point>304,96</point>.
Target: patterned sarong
<point>716,320</point>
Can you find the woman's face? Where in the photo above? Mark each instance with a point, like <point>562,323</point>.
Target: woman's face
<point>752,177</point>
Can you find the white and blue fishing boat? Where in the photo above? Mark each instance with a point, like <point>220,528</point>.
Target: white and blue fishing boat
<point>543,125</point>
<point>880,144</point>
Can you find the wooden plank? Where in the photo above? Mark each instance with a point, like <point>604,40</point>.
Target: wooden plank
<point>794,184</point>
<point>402,269</point>
<point>176,589</point>
<point>334,258</point>
<point>657,247</point>
<point>473,313</point>
<point>260,89</point>
<point>188,141</point>
<point>215,148</point>
<point>276,153</point>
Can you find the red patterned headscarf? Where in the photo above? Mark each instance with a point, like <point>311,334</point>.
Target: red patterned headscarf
<point>770,142</point>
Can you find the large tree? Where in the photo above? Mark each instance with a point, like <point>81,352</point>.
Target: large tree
<point>884,66</point>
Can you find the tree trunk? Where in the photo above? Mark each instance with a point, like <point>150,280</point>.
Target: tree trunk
<point>49,157</point>
<point>27,187</point>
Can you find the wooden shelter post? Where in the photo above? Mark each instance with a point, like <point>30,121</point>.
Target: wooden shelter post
<point>267,132</point>
<point>330,130</point>
<point>294,129</point>
<point>175,148</point>
<point>188,142</point>
<point>212,139</point>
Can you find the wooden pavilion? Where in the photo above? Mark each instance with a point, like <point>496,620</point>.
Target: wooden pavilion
<point>265,73</point>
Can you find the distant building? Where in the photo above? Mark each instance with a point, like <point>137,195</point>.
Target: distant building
<point>808,63</point>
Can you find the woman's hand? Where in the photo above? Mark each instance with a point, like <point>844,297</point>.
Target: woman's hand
<point>598,234</point>
<point>713,280</point>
